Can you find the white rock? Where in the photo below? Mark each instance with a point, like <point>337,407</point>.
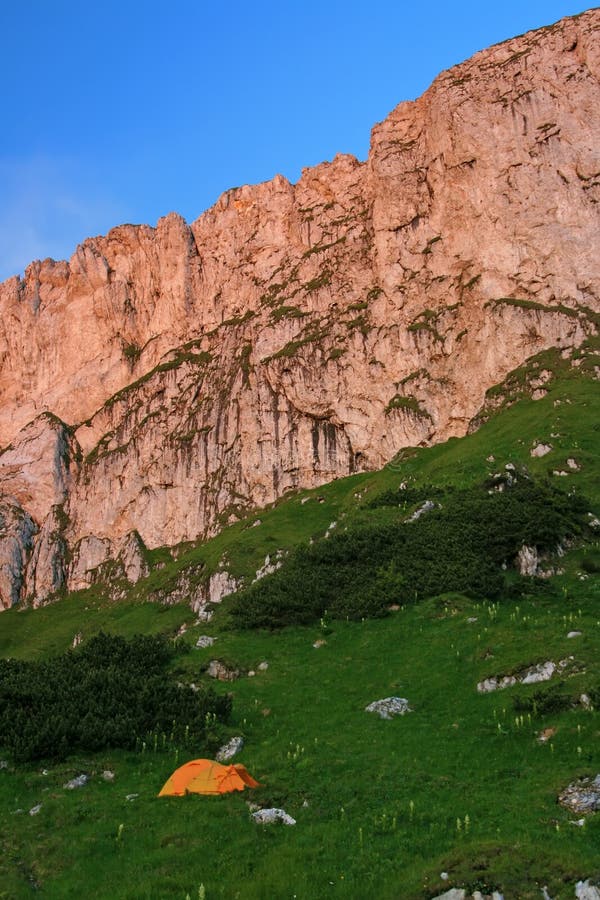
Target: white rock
<point>131,797</point>
<point>585,890</point>
<point>229,750</point>
<point>541,450</point>
<point>268,567</point>
<point>574,634</point>
<point>389,707</point>
<point>426,507</point>
<point>221,584</point>
<point>272,816</point>
<point>573,464</point>
<point>205,641</point>
<point>108,775</point>
<point>35,809</point>
<point>263,666</point>
<point>527,560</point>
<point>77,782</point>
<point>541,672</point>
<point>452,894</point>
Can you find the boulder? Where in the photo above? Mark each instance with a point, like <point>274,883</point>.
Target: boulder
<point>389,707</point>
<point>585,890</point>
<point>582,796</point>
<point>229,750</point>
<point>272,816</point>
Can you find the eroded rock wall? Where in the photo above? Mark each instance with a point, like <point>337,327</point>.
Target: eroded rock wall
<point>296,333</point>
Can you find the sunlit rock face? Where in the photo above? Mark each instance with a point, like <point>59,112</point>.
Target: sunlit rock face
<point>165,380</point>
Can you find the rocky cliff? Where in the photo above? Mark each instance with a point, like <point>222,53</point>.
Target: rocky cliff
<point>165,380</point>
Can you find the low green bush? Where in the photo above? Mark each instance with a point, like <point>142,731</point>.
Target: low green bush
<point>110,692</point>
<point>464,545</point>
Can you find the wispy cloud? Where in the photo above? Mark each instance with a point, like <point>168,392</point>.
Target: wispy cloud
<point>47,207</point>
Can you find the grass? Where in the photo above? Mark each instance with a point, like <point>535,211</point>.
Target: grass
<point>378,804</point>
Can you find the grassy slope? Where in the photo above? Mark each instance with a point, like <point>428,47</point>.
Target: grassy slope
<point>383,797</point>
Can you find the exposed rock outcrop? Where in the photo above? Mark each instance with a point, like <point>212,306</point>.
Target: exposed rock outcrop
<point>297,333</point>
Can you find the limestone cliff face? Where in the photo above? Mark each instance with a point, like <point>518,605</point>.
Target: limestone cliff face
<point>296,333</point>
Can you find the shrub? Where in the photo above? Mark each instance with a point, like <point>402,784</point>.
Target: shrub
<point>110,692</point>
<point>461,547</point>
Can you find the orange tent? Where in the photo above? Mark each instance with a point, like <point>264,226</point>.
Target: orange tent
<point>203,776</point>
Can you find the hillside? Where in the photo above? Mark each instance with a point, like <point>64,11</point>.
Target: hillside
<point>462,785</point>
<point>165,382</point>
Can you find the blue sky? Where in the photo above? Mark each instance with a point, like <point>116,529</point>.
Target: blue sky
<point>122,111</point>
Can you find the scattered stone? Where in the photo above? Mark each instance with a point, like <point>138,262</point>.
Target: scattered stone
<point>510,467</point>
<point>585,890</point>
<point>107,775</point>
<point>528,560</point>
<point>271,816</point>
<point>531,675</point>
<point>251,673</point>
<point>471,620</point>
<point>77,782</point>
<point>44,772</point>
<point>35,809</point>
<point>582,796</point>
<point>221,584</point>
<point>585,701</point>
<point>541,450</point>
<point>426,507</point>
<point>579,822</point>
<point>545,735</point>
<point>573,464</point>
<point>130,797</point>
<point>77,640</point>
<point>181,630</point>
<point>320,642</point>
<point>594,521</point>
<point>229,749</point>
<point>306,499</point>
<point>444,876</point>
<point>263,666</point>
<point>305,804</point>
<point>217,669</point>
<point>574,634</point>
<point>545,894</point>
<point>269,566</point>
<point>205,641</point>
<point>3,764</point>
<point>256,523</point>
<point>204,615</point>
<point>490,458</point>
<point>461,894</point>
<point>559,472</point>
<point>389,707</point>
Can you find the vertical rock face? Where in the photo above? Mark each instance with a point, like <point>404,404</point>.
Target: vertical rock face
<point>296,333</point>
<point>17,529</point>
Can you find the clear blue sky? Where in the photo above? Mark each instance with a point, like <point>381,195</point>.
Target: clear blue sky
<point>122,111</point>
